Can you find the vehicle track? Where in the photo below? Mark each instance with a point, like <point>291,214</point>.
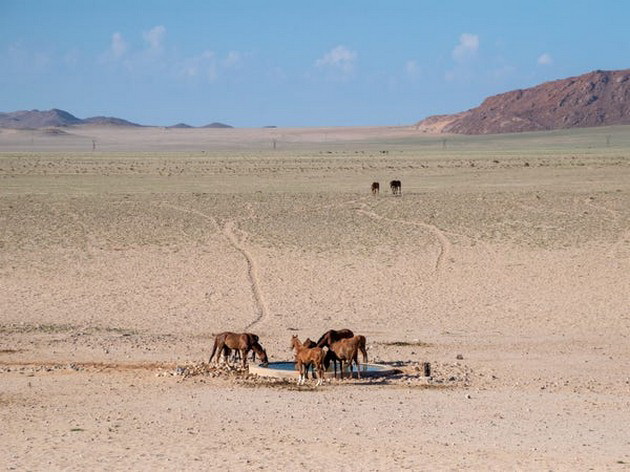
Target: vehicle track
<point>229,232</point>
<point>444,242</point>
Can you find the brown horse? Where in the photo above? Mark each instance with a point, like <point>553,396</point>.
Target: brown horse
<point>328,358</point>
<point>236,354</point>
<point>332,336</point>
<point>396,187</point>
<point>346,351</point>
<point>305,356</point>
<point>243,342</point>
<point>376,187</point>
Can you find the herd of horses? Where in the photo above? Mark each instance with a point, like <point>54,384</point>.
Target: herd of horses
<point>334,346</point>
<point>394,185</point>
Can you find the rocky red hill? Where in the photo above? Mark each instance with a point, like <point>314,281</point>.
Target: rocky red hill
<point>598,98</point>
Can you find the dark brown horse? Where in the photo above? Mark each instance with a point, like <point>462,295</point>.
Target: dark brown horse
<point>332,336</point>
<point>305,356</point>
<point>243,342</point>
<point>396,187</point>
<point>376,187</point>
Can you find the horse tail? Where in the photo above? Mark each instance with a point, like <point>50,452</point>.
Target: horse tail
<point>214,350</point>
<point>362,342</point>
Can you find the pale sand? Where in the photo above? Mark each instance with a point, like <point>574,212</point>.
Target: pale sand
<point>124,264</point>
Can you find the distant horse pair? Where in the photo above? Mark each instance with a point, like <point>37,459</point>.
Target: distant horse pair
<point>242,343</point>
<point>394,185</point>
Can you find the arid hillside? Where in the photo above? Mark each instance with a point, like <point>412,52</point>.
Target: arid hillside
<point>598,98</point>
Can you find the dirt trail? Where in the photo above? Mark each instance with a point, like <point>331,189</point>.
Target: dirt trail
<point>229,231</point>
<point>252,273</point>
<point>444,242</point>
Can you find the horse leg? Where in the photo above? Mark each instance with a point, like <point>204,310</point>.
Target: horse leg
<point>227,353</point>
<point>364,354</point>
<point>220,350</point>
<point>299,366</point>
<point>244,353</point>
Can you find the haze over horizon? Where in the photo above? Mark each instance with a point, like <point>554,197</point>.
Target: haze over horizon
<point>252,64</point>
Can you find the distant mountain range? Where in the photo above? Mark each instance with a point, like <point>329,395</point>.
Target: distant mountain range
<point>55,118</point>
<point>599,98</point>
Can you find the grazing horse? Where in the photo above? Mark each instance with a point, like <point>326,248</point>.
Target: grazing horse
<point>331,336</point>
<point>243,342</point>
<point>346,350</point>
<point>376,187</point>
<point>236,354</point>
<point>396,187</point>
<point>304,357</point>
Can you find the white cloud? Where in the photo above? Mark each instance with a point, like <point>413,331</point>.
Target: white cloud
<point>466,48</point>
<point>201,66</point>
<point>545,59</point>
<point>340,58</point>
<point>412,69</point>
<point>118,46</point>
<point>154,37</point>
<point>233,59</point>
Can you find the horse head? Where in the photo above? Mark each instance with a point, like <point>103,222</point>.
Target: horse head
<point>264,358</point>
<point>295,342</point>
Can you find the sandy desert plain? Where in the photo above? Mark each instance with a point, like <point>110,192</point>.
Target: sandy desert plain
<point>505,264</point>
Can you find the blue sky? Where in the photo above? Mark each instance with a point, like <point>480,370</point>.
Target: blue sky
<point>292,63</point>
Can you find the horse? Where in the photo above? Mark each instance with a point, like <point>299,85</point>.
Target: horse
<point>331,336</point>
<point>236,354</point>
<point>346,349</point>
<point>376,187</point>
<point>304,357</point>
<point>328,358</point>
<point>396,187</point>
<point>243,342</point>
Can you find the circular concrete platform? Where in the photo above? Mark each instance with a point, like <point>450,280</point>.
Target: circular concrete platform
<point>287,370</point>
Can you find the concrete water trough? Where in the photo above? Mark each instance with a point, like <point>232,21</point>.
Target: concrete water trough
<point>287,370</point>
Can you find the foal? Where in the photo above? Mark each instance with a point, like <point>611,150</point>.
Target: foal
<point>304,357</point>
